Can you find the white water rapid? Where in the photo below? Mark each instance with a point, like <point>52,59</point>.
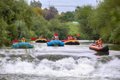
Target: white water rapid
<point>58,63</point>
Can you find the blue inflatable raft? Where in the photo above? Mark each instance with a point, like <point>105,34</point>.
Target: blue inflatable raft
<point>23,45</point>
<point>55,43</point>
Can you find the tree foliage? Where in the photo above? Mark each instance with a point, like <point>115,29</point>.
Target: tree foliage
<point>67,16</point>
<point>50,13</point>
<point>102,21</point>
<point>18,19</point>
<point>106,20</point>
<point>82,15</point>
<point>36,4</point>
<point>60,28</point>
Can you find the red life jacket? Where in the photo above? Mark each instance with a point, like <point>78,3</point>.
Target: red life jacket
<point>55,34</point>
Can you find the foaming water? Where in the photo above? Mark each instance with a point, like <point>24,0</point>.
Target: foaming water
<point>62,67</point>
<point>57,63</point>
<point>66,67</point>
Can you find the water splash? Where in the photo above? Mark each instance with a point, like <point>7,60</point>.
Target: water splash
<point>61,63</point>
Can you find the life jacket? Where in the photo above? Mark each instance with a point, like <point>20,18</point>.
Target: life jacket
<point>33,38</point>
<point>15,41</point>
<point>70,38</point>
<point>56,35</point>
<point>23,39</point>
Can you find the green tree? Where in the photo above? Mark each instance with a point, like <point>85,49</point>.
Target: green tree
<point>56,26</point>
<point>3,33</point>
<point>106,20</point>
<point>36,4</point>
<point>50,13</point>
<point>67,16</point>
<point>82,15</point>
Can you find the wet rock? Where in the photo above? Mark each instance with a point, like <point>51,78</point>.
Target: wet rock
<point>2,55</point>
<point>3,79</point>
<point>105,59</point>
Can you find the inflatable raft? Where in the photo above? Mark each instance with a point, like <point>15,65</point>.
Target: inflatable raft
<point>55,43</point>
<point>22,45</point>
<point>96,48</point>
<point>72,42</point>
<point>41,40</point>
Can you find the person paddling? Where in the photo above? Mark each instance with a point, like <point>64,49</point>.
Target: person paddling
<point>56,37</point>
<point>23,40</point>
<point>15,41</point>
<point>99,43</point>
<point>70,37</point>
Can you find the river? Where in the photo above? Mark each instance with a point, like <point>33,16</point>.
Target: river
<point>58,63</point>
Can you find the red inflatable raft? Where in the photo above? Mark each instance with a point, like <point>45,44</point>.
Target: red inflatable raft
<point>102,49</point>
